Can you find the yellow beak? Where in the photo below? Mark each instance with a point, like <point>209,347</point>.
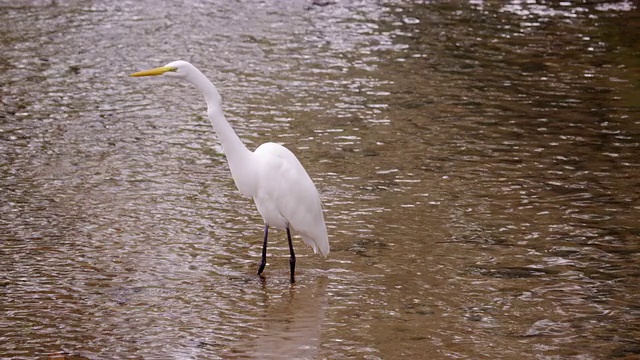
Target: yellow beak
<point>153,72</point>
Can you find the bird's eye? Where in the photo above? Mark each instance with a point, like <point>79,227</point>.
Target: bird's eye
<point>174,69</point>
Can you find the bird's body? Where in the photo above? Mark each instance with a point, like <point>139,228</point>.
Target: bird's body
<point>292,200</point>
<point>272,175</point>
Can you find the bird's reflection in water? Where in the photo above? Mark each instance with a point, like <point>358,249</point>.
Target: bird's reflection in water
<point>291,322</point>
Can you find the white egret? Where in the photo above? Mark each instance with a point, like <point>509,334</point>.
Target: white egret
<point>280,187</point>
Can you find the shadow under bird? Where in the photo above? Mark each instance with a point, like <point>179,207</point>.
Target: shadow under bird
<point>272,175</point>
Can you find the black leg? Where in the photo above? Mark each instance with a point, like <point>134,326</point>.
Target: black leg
<point>292,259</point>
<point>263,262</point>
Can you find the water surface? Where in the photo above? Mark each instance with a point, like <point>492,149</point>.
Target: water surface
<point>478,163</point>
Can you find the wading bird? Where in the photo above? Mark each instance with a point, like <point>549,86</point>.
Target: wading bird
<point>280,187</point>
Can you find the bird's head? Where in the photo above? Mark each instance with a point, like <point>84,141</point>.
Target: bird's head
<point>176,69</point>
<point>183,70</point>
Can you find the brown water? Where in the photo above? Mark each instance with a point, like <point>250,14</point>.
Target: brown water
<point>478,162</point>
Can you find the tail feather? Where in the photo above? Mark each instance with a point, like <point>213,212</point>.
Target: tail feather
<point>319,244</point>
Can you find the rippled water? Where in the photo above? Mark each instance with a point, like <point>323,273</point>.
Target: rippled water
<point>478,162</point>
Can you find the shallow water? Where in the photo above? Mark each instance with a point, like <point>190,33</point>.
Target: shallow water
<point>478,163</point>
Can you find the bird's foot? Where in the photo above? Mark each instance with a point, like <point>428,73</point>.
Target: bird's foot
<point>292,267</point>
<point>261,267</point>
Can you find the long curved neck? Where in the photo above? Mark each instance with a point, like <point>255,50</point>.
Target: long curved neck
<point>238,156</point>
<point>231,143</point>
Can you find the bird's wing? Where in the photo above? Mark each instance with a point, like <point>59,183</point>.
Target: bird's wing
<point>291,193</point>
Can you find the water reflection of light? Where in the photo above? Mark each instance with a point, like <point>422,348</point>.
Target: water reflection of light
<point>531,8</point>
<point>619,6</point>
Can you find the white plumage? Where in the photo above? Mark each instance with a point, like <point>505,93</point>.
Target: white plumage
<point>272,175</point>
